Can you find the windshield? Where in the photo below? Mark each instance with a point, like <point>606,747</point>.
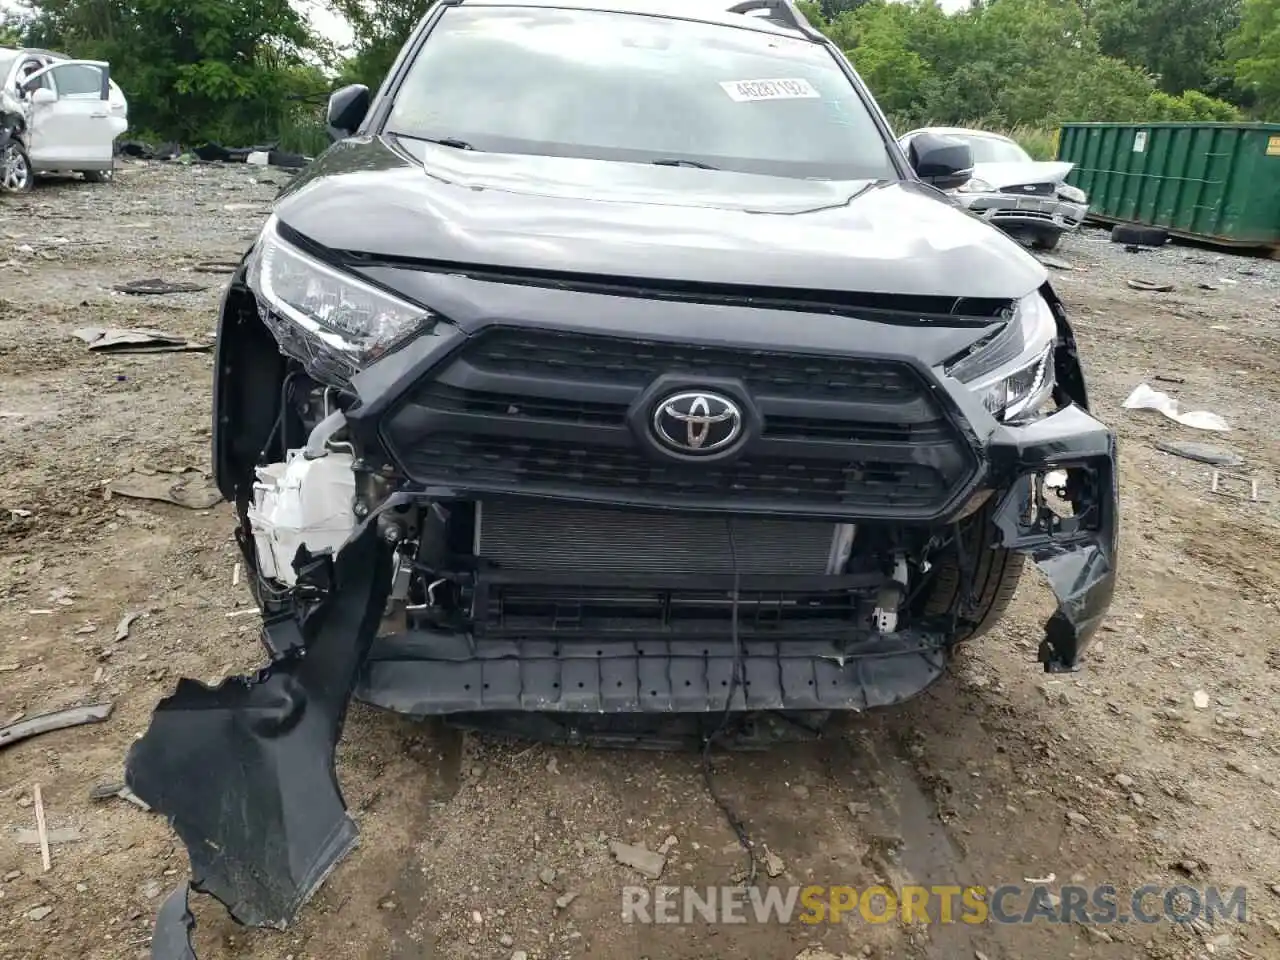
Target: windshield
<point>994,149</point>
<point>609,86</point>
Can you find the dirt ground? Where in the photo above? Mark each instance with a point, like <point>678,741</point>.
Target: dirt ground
<point>1157,763</point>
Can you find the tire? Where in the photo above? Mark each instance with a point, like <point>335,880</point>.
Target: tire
<point>98,176</point>
<point>995,580</point>
<point>1046,241</point>
<point>1136,234</point>
<point>16,175</point>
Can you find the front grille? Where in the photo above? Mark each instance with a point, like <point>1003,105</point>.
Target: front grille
<point>545,413</point>
<point>614,473</point>
<point>1032,189</point>
<point>545,535</point>
<point>637,363</point>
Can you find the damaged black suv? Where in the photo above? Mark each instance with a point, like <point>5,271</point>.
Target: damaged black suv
<point>617,361</point>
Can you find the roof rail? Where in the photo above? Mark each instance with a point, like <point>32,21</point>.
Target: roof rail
<point>782,12</point>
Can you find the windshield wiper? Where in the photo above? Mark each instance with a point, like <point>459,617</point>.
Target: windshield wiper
<point>448,142</point>
<point>684,163</point>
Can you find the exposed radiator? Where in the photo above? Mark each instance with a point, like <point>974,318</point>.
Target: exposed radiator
<point>548,535</point>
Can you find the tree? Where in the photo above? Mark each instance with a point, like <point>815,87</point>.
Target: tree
<point>1180,42</point>
<point>380,29</point>
<point>1254,50</point>
<point>192,69</point>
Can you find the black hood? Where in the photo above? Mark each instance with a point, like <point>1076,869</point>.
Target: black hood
<point>651,222</point>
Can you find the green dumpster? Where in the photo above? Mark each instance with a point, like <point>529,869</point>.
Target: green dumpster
<point>1218,182</point>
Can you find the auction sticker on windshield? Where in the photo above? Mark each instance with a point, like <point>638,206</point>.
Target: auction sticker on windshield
<point>746,90</point>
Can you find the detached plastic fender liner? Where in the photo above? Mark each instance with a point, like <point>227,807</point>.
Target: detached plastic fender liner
<point>245,770</point>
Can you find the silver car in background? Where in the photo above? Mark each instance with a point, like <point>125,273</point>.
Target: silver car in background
<point>1028,199</point>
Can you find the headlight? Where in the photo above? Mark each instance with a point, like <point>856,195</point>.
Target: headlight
<point>342,322</point>
<point>1067,192</point>
<point>1013,373</point>
<point>976,185</point>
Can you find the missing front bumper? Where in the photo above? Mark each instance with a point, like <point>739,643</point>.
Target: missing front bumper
<point>1008,210</point>
<point>246,771</point>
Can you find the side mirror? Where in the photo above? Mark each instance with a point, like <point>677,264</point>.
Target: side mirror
<point>347,109</point>
<point>941,161</point>
<point>43,95</point>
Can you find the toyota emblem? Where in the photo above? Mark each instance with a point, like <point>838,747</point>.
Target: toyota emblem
<point>697,423</point>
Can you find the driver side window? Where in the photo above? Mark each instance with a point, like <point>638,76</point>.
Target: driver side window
<point>29,67</point>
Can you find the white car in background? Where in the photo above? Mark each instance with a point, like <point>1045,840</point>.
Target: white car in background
<point>57,115</point>
<point>1028,199</point>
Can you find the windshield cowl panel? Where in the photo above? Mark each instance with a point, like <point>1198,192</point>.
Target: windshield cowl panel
<point>602,85</point>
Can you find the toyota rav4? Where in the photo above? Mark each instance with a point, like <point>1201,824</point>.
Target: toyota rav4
<point>616,360</point>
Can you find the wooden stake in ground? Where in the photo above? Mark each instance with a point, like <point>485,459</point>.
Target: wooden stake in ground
<point>43,830</point>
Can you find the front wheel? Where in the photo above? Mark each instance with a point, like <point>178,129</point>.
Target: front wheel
<point>16,175</point>
<point>996,573</point>
<point>1046,241</point>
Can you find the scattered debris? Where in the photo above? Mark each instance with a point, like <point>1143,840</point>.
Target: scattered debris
<point>1124,781</point>
<point>122,628</point>
<point>120,340</point>
<point>639,858</point>
<point>1164,379</point>
<point>216,266</point>
<point>190,489</point>
<point>1041,880</point>
<point>1054,263</point>
<point>858,808</point>
<point>1200,452</point>
<point>51,838</point>
<point>1216,486</point>
<point>547,875</point>
<point>48,722</point>
<point>154,286</point>
<point>565,899</point>
<point>106,791</point>
<point>1153,286</point>
<point>1144,398</point>
<point>1077,818</point>
<point>39,913</point>
<point>1200,699</point>
<point>773,863</point>
<point>42,831</point>
<point>666,846</point>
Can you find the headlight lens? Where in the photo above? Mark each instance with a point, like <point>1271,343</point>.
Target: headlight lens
<point>344,322</point>
<point>1067,192</point>
<point>976,185</point>
<point>1013,374</point>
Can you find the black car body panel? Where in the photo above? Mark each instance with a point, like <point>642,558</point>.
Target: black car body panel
<point>635,220</point>
<point>665,442</point>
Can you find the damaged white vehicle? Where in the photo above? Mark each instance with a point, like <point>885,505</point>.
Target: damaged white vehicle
<point>57,115</point>
<point>1028,199</point>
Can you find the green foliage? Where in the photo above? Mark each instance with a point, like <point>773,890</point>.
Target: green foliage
<point>197,69</point>
<point>380,28</point>
<point>1255,50</point>
<point>1007,63</point>
<point>1180,42</point>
